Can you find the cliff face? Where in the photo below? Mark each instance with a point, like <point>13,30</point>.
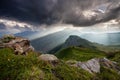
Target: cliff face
<point>18,44</point>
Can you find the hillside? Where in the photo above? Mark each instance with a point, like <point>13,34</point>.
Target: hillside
<point>77,41</point>
<point>73,63</point>
<point>51,40</point>
<point>79,54</point>
<point>55,40</point>
<point>18,67</point>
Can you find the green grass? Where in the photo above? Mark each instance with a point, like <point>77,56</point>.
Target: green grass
<point>65,72</point>
<point>107,49</point>
<point>108,74</point>
<point>79,54</point>
<point>114,56</point>
<point>18,67</point>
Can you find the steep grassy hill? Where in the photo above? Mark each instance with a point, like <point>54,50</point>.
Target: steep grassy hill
<point>77,41</point>
<point>80,54</point>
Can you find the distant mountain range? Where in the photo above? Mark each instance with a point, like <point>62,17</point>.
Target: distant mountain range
<point>27,34</point>
<point>76,41</point>
<point>53,42</point>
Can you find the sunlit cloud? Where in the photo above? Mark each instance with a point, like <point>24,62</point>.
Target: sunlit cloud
<point>12,26</point>
<point>13,23</point>
<point>89,14</point>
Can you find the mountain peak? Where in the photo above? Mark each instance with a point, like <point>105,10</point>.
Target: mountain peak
<point>74,40</point>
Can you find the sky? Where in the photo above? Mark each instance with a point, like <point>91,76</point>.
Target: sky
<point>97,15</point>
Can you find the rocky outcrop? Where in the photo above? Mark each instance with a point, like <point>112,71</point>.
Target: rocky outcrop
<point>94,65</point>
<point>20,45</point>
<point>109,64</point>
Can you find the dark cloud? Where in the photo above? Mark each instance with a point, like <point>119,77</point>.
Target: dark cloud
<point>76,12</point>
<point>2,26</point>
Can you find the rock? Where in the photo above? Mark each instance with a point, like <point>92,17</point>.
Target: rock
<point>19,44</point>
<point>119,72</point>
<point>109,64</point>
<point>48,57</point>
<point>91,65</point>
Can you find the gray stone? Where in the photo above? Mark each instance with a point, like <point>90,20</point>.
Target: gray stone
<point>91,65</point>
<point>48,57</point>
<point>109,64</point>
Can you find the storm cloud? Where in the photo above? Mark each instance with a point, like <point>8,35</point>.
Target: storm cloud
<point>76,12</point>
<point>2,26</point>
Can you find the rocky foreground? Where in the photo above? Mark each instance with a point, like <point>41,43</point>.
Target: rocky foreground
<point>18,44</point>
<point>21,46</point>
<point>94,65</point>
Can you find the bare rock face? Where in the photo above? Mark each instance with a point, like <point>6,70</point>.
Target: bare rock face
<point>91,66</point>
<point>109,64</point>
<point>94,65</point>
<point>20,45</point>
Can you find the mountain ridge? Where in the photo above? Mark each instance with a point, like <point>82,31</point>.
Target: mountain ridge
<point>77,41</point>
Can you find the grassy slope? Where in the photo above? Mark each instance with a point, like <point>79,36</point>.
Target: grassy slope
<point>17,67</point>
<point>115,56</point>
<point>79,54</point>
<point>110,48</point>
<point>84,54</point>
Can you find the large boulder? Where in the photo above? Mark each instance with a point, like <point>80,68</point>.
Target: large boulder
<point>94,65</point>
<point>48,57</point>
<point>20,45</point>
